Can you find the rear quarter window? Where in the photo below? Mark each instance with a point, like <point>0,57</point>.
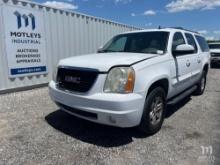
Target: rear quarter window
<point>202,43</point>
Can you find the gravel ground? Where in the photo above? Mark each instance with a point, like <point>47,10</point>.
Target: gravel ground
<point>34,131</point>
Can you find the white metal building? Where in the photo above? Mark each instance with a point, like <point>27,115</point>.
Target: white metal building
<point>34,37</point>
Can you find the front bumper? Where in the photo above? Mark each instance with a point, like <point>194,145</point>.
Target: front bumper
<point>122,110</point>
<point>215,59</point>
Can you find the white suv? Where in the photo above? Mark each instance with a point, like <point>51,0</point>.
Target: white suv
<point>132,78</point>
<point>215,53</point>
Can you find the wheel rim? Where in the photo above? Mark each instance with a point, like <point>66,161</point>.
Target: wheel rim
<point>203,84</point>
<point>156,110</point>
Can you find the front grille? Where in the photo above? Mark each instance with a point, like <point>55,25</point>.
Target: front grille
<point>215,54</point>
<point>78,112</point>
<point>76,79</point>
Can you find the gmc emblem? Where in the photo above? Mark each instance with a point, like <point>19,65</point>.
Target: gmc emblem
<point>71,79</point>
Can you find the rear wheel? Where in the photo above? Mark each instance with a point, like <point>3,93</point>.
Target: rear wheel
<point>201,85</point>
<point>154,110</point>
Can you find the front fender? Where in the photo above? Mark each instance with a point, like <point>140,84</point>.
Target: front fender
<point>146,76</point>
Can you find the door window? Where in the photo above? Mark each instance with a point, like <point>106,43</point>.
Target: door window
<point>177,40</point>
<point>191,41</point>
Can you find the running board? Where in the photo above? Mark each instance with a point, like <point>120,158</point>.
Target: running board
<point>182,95</point>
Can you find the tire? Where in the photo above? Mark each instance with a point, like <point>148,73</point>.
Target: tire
<point>149,123</point>
<point>202,84</point>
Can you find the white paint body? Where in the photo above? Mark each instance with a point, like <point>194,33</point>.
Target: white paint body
<point>126,109</point>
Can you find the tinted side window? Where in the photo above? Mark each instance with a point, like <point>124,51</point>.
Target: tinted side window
<point>177,40</point>
<point>191,41</point>
<point>202,43</point>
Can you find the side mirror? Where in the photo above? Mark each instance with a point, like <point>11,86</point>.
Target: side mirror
<point>183,49</point>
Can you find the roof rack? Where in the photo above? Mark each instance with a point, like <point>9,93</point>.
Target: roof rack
<point>181,28</point>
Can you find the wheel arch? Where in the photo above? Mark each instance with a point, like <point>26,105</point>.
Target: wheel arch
<point>163,82</point>
<point>206,68</point>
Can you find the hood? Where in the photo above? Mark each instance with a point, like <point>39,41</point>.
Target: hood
<point>104,61</point>
<point>215,50</point>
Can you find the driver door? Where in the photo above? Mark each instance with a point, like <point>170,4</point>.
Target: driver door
<point>183,65</point>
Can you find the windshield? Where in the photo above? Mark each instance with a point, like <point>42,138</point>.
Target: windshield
<point>142,42</point>
<point>214,46</point>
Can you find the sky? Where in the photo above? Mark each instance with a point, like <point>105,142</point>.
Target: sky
<point>198,15</point>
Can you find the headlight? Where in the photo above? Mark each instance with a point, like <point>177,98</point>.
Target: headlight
<point>55,73</point>
<point>120,80</point>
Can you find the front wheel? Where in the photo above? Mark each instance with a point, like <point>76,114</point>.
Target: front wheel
<point>154,110</point>
<point>201,85</point>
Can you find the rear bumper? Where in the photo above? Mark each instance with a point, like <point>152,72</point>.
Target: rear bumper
<point>122,110</point>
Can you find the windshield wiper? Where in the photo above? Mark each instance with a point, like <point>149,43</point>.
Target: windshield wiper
<point>106,51</point>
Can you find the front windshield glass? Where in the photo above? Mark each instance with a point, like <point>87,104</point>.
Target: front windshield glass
<point>142,42</point>
<point>214,46</point>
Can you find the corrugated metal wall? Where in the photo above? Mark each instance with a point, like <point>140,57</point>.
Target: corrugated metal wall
<point>67,34</point>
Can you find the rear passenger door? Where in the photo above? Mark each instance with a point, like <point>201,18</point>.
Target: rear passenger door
<point>194,58</point>
<point>183,64</point>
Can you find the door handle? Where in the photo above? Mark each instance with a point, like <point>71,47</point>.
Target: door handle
<point>199,60</point>
<point>188,63</point>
